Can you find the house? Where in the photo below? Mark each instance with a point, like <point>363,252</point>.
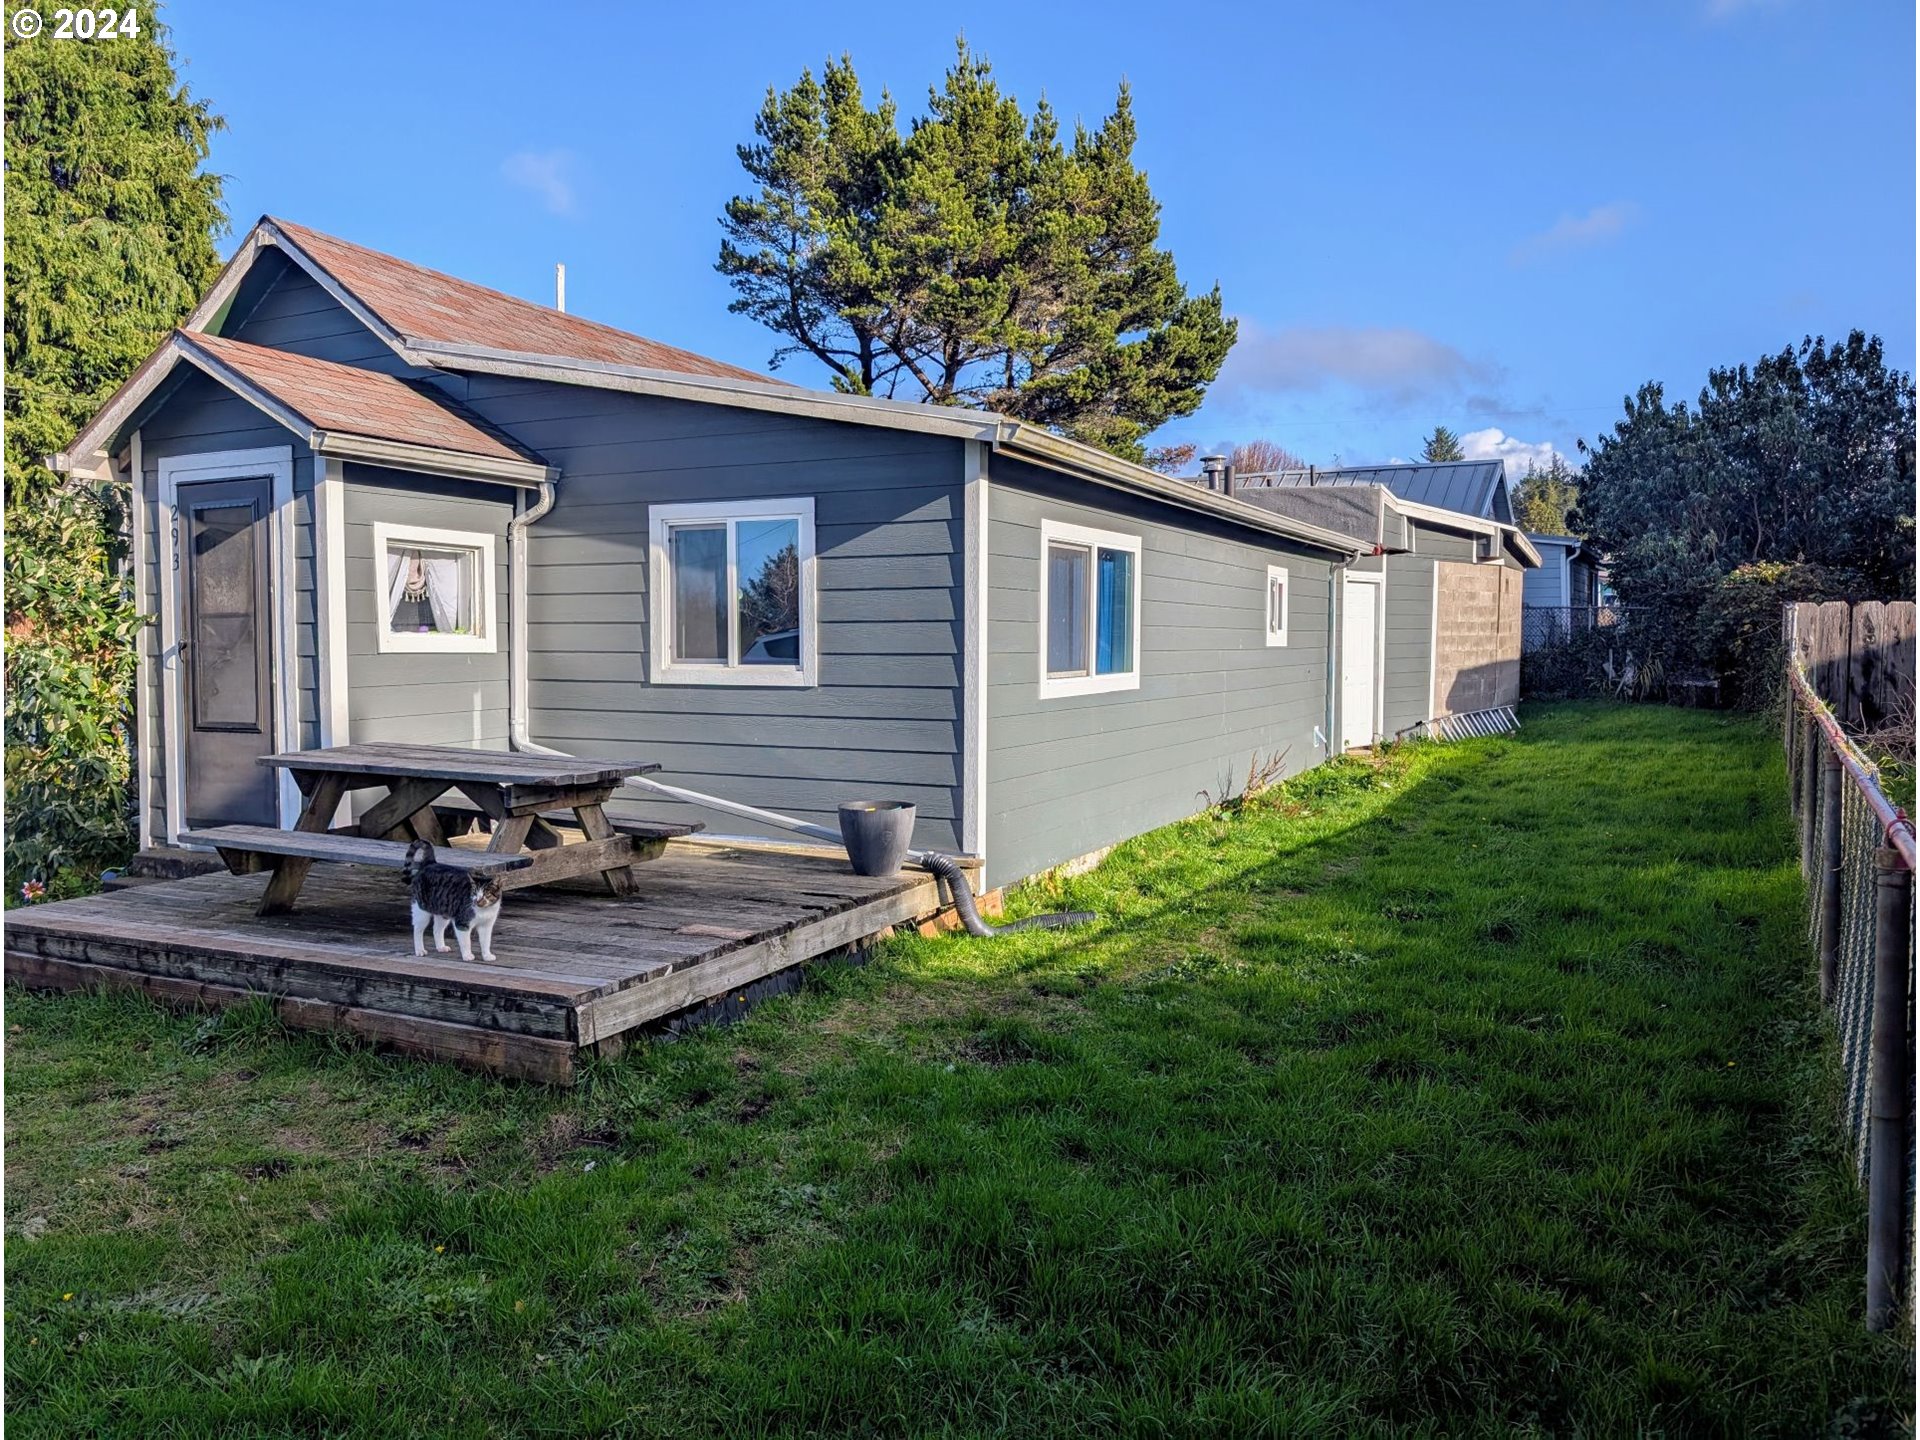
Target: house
<point>375,502</point>
<point>1569,575</point>
<point>1440,586</point>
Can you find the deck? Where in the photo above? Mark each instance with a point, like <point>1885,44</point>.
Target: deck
<point>574,969</point>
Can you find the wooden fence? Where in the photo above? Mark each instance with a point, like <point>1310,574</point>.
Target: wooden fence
<point>1859,657</point>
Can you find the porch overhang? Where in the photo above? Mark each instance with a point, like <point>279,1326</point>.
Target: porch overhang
<point>463,451</point>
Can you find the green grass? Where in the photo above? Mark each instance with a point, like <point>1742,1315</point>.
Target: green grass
<point>1478,1091</point>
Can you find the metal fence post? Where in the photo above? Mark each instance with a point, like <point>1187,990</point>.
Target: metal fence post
<point>1891,1103</point>
<point>1810,748</point>
<point>1830,862</point>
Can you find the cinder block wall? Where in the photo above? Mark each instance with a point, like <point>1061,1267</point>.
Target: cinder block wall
<point>1476,637</point>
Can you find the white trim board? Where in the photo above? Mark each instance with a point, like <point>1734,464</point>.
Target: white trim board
<point>274,463</point>
<point>143,716</point>
<point>662,669</point>
<point>1052,686</point>
<point>387,534</point>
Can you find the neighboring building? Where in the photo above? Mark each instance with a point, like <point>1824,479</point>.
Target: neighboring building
<point>1433,609</point>
<point>1569,573</point>
<point>374,502</point>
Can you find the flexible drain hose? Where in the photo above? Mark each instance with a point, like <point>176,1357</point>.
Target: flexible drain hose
<point>948,872</point>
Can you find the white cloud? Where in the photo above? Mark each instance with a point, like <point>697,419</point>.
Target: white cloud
<point>1578,232</point>
<point>549,174</point>
<point>1395,364</point>
<point>1493,443</point>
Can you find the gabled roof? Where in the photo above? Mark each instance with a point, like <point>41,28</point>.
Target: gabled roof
<point>436,322</point>
<point>425,308</point>
<point>1370,500</point>
<point>338,410</point>
<point>1468,486</point>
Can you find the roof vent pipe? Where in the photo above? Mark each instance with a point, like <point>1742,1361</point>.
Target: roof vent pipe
<point>1229,481</point>
<point>1213,472</point>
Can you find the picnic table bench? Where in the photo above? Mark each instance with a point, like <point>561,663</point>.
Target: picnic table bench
<point>514,791</point>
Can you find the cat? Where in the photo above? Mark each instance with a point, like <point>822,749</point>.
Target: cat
<point>445,895</point>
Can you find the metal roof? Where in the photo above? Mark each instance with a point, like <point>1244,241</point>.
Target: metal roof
<point>1467,486</point>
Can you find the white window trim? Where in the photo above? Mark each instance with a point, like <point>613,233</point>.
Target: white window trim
<point>275,464</point>
<point>1277,638</point>
<point>1056,686</point>
<point>662,669</point>
<point>487,642</point>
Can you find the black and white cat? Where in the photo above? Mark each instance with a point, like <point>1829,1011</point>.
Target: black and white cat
<point>446,896</point>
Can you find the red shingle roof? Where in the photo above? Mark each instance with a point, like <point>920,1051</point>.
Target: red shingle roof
<point>422,304</point>
<point>352,401</point>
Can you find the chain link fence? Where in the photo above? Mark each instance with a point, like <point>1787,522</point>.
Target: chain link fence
<point>1857,855</point>
<point>1545,626</point>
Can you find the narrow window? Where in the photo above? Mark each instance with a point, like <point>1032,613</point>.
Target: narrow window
<point>1090,611</point>
<point>733,586</point>
<point>1276,605</point>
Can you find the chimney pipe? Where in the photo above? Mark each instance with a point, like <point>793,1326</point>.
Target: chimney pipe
<point>1229,481</point>
<point>1213,471</point>
<point>560,288</point>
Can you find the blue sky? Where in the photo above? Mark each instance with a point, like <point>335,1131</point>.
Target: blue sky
<point>1502,218</point>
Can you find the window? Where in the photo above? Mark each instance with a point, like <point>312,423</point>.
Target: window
<point>1089,610</point>
<point>435,589</point>
<point>732,593</point>
<point>1276,605</point>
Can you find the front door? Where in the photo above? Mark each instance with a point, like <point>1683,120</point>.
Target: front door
<point>226,652</point>
<point>1359,663</point>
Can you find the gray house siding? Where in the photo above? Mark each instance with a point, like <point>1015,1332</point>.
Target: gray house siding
<point>884,719</point>
<point>1409,642</point>
<point>423,698</point>
<point>294,313</point>
<point>1548,584</point>
<point>1069,775</point>
<point>198,417</point>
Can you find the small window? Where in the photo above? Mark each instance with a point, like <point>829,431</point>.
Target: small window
<point>732,593</point>
<point>435,589</point>
<point>1089,610</point>
<point>1276,605</point>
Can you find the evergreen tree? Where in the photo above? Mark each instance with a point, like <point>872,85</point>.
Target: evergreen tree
<point>111,224</point>
<point>978,260</point>
<point>1545,500</point>
<point>1443,444</point>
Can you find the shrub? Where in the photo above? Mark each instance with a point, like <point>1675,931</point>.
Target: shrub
<point>1736,634</point>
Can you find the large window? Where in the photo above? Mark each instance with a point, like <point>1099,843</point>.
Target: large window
<point>435,589</point>
<point>1089,610</point>
<point>731,588</point>
<point>1276,605</point>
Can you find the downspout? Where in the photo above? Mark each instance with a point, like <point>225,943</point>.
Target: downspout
<point>944,867</point>
<point>517,702</point>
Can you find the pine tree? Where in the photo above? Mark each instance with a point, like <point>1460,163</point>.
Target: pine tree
<point>111,224</point>
<point>1442,445</point>
<point>980,260</point>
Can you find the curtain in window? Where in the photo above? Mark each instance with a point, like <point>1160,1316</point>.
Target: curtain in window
<point>444,593</point>
<point>1113,615</point>
<point>399,569</point>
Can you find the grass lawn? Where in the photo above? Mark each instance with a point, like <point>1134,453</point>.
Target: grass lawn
<point>1479,1090</point>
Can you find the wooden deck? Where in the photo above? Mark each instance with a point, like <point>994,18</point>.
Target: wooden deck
<point>573,969</point>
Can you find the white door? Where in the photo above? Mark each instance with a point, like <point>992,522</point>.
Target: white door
<point>1359,663</point>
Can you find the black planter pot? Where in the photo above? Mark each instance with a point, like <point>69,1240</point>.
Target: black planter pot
<point>876,834</point>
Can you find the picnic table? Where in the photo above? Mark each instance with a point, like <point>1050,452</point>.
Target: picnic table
<point>522,795</point>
